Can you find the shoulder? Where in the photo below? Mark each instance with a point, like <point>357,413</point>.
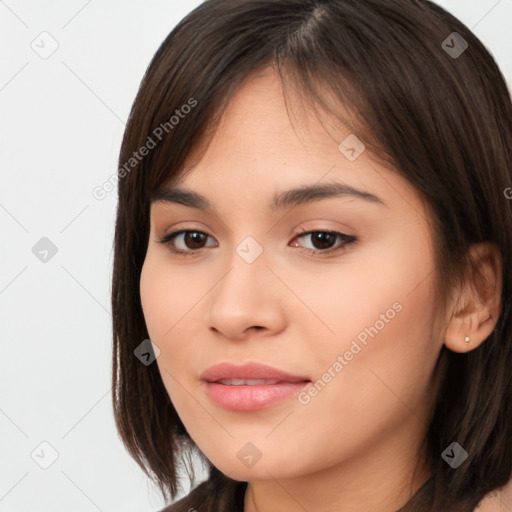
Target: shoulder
<point>212,496</point>
<point>497,501</point>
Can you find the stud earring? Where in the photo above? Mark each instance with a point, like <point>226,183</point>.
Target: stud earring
<point>466,339</point>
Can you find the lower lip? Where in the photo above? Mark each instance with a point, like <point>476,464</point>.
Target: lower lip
<point>252,398</point>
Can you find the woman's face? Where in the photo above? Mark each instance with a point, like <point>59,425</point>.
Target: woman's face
<point>356,318</point>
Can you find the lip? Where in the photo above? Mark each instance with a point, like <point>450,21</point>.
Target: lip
<point>249,371</point>
<point>250,397</point>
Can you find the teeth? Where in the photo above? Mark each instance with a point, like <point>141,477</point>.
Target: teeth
<point>247,382</point>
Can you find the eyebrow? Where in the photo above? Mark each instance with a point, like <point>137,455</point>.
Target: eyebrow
<point>289,198</point>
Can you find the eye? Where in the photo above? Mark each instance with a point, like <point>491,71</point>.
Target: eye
<point>322,241</point>
<point>183,239</point>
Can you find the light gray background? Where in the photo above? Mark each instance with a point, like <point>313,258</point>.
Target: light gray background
<point>62,119</point>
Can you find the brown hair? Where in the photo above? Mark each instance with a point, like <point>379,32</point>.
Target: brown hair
<point>444,121</point>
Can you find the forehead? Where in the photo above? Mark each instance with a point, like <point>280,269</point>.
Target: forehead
<point>260,128</point>
<point>263,121</point>
<point>259,149</point>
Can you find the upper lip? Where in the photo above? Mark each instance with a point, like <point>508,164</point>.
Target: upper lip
<point>248,371</point>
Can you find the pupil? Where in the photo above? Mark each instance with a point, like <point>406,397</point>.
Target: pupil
<point>194,238</point>
<point>323,238</point>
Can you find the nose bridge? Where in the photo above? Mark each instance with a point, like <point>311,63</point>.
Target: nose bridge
<point>249,250</point>
<point>247,265</point>
<point>244,297</point>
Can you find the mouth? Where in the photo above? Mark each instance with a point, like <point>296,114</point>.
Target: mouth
<point>248,382</point>
<point>251,386</point>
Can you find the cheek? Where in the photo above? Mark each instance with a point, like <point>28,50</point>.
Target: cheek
<point>154,300</point>
<point>171,302</point>
<point>166,295</point>
<point>373,293</point>
<point>377,316</point>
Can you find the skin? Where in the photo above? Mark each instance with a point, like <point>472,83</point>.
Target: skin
<point>497,501</point>
<point>354,446</point>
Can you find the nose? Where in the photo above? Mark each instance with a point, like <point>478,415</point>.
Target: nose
<point>246,300</point>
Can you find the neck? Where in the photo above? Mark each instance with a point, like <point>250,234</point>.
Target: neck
<point>382,479</point>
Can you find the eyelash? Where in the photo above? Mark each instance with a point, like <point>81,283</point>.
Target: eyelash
<point>168,238</point>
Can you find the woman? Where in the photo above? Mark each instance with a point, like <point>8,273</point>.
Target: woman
<point>313,261</point>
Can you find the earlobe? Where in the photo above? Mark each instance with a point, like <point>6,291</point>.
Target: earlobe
<point>475,314</point>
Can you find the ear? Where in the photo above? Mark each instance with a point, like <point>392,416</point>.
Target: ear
<point>475,310</point>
